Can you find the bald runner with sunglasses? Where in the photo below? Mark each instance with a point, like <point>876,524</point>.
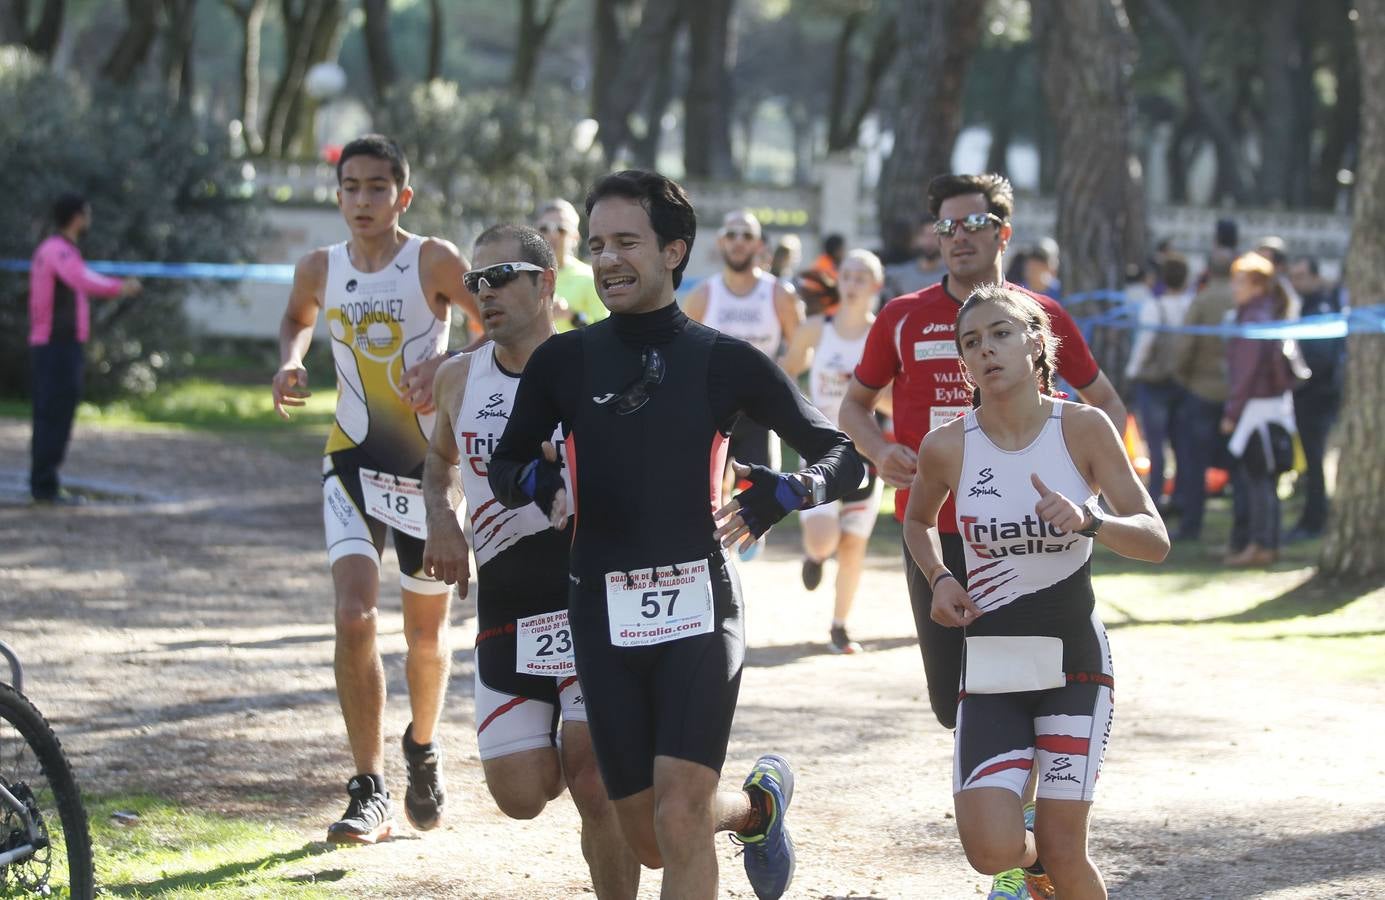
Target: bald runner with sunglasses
<point>524,671</point>
<point>646,400</point>
<point>912,346</point>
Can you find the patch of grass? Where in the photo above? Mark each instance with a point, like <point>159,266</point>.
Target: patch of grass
<point>213,405</point>
<point>170,852</point>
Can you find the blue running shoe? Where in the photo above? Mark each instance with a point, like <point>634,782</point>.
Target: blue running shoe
<point>769,857</point>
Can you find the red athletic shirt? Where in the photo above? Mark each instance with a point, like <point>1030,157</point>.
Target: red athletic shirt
<point>913,343</point>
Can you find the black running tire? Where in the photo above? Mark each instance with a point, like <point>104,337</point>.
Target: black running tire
<point>16,709</point>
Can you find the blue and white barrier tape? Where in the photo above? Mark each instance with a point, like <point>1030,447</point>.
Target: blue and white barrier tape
<point>1363,320</point>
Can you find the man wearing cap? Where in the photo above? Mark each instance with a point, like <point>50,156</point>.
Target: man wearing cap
<point>575,300</point>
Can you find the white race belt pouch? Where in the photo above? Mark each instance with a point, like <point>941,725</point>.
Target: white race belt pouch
<point>543,645</point>
<point>1007,664</point>
<point>645,610</point>
<point>395,500</point>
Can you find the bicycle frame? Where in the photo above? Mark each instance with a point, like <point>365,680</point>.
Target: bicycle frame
<point>36,840</point>
<point>16,670</point>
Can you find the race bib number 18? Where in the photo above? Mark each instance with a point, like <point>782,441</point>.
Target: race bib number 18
<point>543,645</point>
<point>645,611</point>
<point>395,500</point>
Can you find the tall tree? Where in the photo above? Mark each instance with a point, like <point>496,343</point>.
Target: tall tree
<point>623,66</point>
<point>378,51</point>
<point>1087,54</point>
<point>42,38</point>
<point>311,30</point>
<point>437,28</point>
<point>251,16</point>
<point>937,38</point>
<point>1286,132</point>
<point>707,100</point>
<point>177,51</point>
<point>1355,545</point>
<point>534,27</point>
<point>132,48</point>
<point>844,116</point>
<point>1213,109</point>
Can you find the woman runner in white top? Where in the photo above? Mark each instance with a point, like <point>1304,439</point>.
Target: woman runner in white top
<point>1036,693</point>
<point>829,347</point>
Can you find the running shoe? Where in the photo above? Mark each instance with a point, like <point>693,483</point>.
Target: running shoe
<point>425,796</point>
<point>1009,886</point>
<point>1039,885</point>
<point>812,573</point>
<point>842,642</point>
<point>368,817</point>
<point>769,855</point>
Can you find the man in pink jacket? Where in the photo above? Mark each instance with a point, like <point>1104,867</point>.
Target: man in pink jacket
<point>59,322</point>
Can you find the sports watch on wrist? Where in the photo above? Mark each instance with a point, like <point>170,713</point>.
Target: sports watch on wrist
<point>1093,509</point>
<point>817,488</point>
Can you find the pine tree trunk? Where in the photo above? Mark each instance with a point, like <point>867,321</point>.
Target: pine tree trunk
<point>1355,545</point>
<point>1087,53</point>
<point>937,39</point>
<point>707,101</point>
<point>377,46</point>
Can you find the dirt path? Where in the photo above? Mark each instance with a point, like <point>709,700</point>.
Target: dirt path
<point>182,646</point>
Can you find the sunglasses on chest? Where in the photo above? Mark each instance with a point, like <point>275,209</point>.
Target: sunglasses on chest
<point>496,276</point>
<point>637,394</point>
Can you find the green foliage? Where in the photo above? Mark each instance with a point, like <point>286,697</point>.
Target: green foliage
<point>162,187</point>
<point>485,156</point>
<point>173,852</point>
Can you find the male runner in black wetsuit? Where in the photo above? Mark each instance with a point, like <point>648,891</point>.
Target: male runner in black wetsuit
<point>646,399</point>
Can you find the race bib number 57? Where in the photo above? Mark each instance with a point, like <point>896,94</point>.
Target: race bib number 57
<point>645,610</point>
<point>395,500</point>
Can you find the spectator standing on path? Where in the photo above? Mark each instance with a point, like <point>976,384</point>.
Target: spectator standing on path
<point>1199,368</point>
<point>60,285</point>
<point>1317,400</point>
<point>1151,366</point>
<point>575,301</point>
<point>1259,401</point>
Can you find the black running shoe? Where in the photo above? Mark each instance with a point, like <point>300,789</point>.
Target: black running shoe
<point>842,642</point>
<point>368,819</point>
<point>425,797</point>
<point>812,573</point>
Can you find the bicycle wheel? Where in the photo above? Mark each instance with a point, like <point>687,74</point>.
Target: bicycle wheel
<point>34,771</point>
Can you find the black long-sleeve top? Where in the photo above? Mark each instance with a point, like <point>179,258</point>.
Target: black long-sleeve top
<point>646,483</point>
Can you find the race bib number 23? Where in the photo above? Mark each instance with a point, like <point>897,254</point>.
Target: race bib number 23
<point>543,645</point>
<point>645,610</point>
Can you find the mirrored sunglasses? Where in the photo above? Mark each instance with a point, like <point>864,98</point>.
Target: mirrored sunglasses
<point>496,276</point>
<point>970,223</point>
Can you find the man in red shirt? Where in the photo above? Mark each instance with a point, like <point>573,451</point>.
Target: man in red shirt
<point>912,346</point>
<point>60,285</point>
